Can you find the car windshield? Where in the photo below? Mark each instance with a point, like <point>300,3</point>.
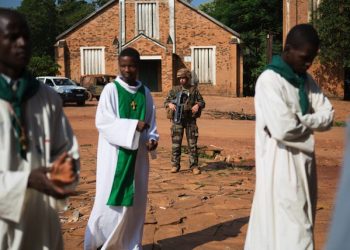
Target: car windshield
<point>63,82</point>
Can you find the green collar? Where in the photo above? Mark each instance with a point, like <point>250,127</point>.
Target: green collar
<point>27,86</point>
<point>297,80</point>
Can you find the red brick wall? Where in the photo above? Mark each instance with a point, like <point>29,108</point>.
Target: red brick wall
<point>191,29</point>
<point>100,30</point>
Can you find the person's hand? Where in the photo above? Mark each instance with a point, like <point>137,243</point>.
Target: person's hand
<point>39,181</point>
<point>151,145</point>
<point>141,126</point>
<point>62,171</point>
<point>195,108</point>
<point>172,106</point>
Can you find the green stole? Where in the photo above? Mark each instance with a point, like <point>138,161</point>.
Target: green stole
<point>27,86</point>
<point>122,193</point>
<point>297,80</point>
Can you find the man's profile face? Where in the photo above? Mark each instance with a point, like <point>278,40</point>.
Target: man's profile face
<point>14,43</point>
<point>128,68</point>
<point>300,59</point>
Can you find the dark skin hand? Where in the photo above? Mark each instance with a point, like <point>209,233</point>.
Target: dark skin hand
<point>141,126</point>
<point>62,173</point>
<point>152,145</point>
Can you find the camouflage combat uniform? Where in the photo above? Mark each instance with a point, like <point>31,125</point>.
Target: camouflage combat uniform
<point>188,123</point>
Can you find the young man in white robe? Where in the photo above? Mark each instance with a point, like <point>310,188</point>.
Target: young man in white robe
<point>289,108</point>
<point>125,119</point>
<point>38,151</point>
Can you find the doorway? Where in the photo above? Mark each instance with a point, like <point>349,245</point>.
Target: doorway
<point>150,74</point>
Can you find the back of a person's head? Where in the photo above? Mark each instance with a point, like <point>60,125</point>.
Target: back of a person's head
<point>302,34</point>
<point>131,52</point>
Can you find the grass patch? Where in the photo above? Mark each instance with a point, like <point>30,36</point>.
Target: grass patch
<point>339,124</point>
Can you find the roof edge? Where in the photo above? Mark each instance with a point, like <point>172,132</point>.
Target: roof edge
<point>82,21</point>
<point>76,25</point>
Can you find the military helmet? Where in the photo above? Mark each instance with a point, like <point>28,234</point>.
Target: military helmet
<point>183,73</point>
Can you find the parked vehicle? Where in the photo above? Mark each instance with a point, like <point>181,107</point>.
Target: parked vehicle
<point>94,84</point>
<point>66,88</point>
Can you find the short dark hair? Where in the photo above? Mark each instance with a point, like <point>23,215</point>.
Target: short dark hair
<point>10,13</point>
<point>131,52</point>
<point>302,34</point>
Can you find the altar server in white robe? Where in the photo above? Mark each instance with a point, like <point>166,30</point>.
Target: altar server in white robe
<point>289,108</point>
<point>38,151</point>
<point>125,119</point>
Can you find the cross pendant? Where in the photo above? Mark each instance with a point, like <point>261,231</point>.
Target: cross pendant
<point>133,105</point>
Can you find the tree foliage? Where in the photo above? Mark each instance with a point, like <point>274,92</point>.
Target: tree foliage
<point>71,12</point>
<point>43,66</point>
<point>100,3</point>
<point>333,24</point>
<point>47,19</point>
<point>41,16</point>
<point>253,19</point>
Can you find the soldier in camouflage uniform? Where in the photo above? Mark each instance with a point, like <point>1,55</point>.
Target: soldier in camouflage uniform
<point>193,104</point>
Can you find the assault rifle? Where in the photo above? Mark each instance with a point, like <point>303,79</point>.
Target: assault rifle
<point>179,101</point>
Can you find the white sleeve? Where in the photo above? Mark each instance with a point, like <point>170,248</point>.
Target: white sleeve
<point>338,237</point>
<point>13,187</point>
<point>321,118</point>
<point>117,131</point>
<point>152,133</point>
<point>281,121</point>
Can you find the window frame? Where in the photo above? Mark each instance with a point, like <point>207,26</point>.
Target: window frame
<point>103,60</point>
<point>214,63</point>
<point>156,31</point>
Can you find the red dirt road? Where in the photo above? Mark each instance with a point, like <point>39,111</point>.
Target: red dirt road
<point>211,210</point>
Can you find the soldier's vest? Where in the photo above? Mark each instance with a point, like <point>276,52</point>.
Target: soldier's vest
<point>189,103</point>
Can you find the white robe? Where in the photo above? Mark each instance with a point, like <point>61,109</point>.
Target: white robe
<point>283,210</point>
<point>28,219</point>
<point>339,233</point>
<point>119,227</point>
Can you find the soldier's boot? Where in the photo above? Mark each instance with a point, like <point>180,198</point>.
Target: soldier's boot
<point>196,171</point>
<point>175,169</point>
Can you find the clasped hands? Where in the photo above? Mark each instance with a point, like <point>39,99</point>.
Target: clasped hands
<point>53,181</point>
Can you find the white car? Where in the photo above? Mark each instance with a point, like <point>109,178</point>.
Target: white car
<point>66,88</point>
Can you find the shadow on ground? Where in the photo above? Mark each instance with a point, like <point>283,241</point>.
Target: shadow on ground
<point>218,232</point>
<point>221,165</point>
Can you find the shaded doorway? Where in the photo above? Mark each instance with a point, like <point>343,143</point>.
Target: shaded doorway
<point>150,74</point>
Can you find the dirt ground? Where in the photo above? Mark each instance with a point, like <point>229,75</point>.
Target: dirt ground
<point>208,211</point>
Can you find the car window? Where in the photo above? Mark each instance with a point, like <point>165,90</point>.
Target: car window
<point>63,82</point>
<point>100,81</point>
<point>49,82</point>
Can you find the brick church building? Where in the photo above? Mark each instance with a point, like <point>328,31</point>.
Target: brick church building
<point>169,34</point>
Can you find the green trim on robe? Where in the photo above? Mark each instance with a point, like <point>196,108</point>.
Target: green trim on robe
<point>122,193</point>
<point>27,86</point>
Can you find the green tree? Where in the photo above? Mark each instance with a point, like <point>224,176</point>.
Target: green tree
<point>333,24</point>
<point>41,16</point>
<point>43,66</point>
<point>100,3</point>
<point>253,19</point>
<point>71,12</point>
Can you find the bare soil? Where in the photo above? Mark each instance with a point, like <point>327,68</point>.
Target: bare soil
<point>208,211</point>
